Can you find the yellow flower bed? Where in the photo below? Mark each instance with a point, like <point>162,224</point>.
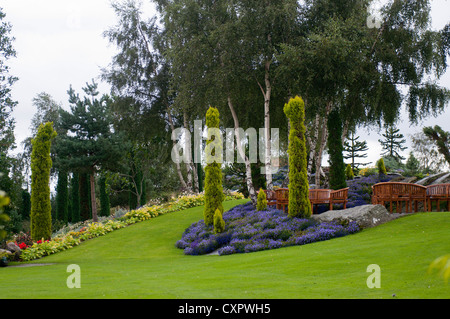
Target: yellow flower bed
<point>62,242</point>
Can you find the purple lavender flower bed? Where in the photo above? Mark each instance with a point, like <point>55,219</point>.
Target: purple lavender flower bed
<point>247,230</point>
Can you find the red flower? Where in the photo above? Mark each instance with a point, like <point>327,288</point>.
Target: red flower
<point>22,245</point>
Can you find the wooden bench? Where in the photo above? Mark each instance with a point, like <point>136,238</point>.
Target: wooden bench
<point>316,197</point>
<point>438,192</point>
<point>398,193</point>
<point>339,196</point>
<point>320,196</point>
<point>282,198</point>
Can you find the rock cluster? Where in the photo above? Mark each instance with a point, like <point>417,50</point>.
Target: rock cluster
<point>365,216</point>
<point>11,252</point>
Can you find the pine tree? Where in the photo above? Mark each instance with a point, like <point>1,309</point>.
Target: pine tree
<point>299,204</point>
<point>354,148</point>
<point>335,149</point>
<point>412,164</point>
<point>41,163</point>
<point>213,174</point>
<point>90,144</point>
<point>393,143</point>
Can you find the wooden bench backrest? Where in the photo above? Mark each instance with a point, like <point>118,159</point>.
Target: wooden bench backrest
<point>319,193</point>
<point>340,193</point>
<point>270,195</point>
<point>282,194</point>
<point>390,189</point>
<point>438,189</point>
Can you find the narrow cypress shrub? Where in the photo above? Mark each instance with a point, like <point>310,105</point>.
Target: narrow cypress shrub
<point>62,197</point>
<point>41,163</point>
<point>213,174</point>
<point>335,149</point>
<point>349,172</point>
<point>261,202</point>
<point>299,204</point>
<point>381,167</point>
<point>219,223</point>
<point>85,196</point>
<point>104,197</point>
<point>75,192</point>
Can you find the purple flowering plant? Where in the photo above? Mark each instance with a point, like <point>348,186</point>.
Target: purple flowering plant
<point>247,230</point>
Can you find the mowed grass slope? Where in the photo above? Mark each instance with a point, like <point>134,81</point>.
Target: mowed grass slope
<point>141,261</point>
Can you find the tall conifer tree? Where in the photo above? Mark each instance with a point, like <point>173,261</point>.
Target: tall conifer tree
<point>41,163</point>
<point>213,173</point>
<point>299,204</point>
<point>335,149</point>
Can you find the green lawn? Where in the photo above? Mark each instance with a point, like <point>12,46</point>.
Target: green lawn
<point>141,261</point>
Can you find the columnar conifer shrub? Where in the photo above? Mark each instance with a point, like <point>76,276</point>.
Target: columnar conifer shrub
<point>104,197</point>
<point>41,163</point>
<point>62,197</point>
<point>213,174</point>
<point>349,172</point>
<point>75,189</point>
<point>299,204</point>
<point>261,203</point>
<point>219,223</point>
<point>381,167</point>
<point>335,149</point>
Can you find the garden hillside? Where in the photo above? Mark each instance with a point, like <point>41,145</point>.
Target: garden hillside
<point>142,261</point>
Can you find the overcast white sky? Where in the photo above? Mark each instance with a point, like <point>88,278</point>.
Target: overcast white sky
<point>59,43</point>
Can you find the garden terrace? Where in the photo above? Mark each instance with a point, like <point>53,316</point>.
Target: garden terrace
<point>249,230</point>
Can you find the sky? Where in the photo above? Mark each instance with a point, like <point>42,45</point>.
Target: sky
<point>59,43</point>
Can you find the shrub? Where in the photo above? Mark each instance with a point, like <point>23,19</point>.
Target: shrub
<point>261,203</point>
<point>381,167</point>
<point>299,205</point>
<point>349,172</point>
<point>335,149</point>
<point>219,223</point>
<point>41,163</point>
<point>213,174</point>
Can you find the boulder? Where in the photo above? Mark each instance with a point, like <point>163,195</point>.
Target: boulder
<point>12,247</point>
<point>365,216</point>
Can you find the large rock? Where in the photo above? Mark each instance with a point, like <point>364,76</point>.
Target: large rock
<point>365,216</point>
